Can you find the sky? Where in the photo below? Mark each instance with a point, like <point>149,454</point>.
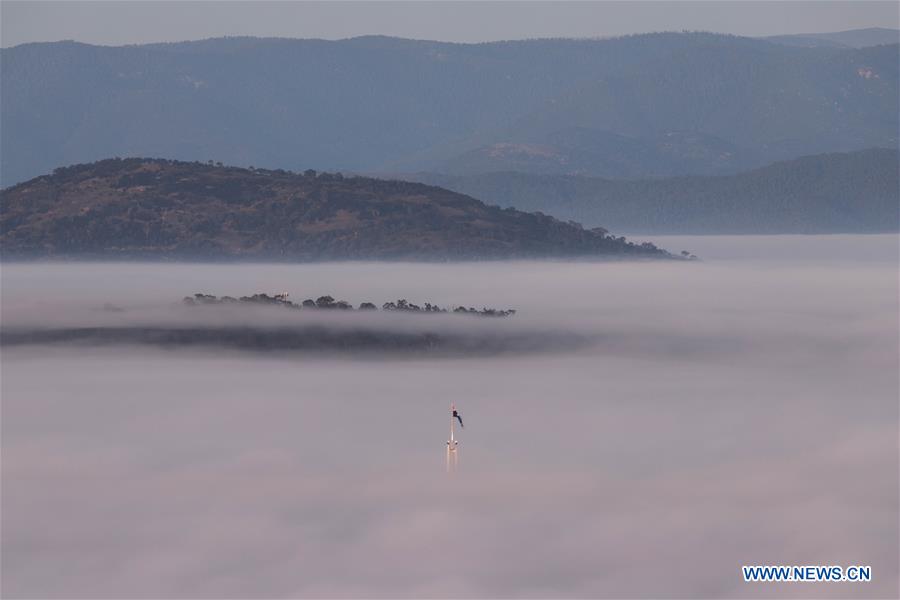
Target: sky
<point>124,22</point>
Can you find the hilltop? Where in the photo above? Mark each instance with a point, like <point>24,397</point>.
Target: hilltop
<point>163,209</point>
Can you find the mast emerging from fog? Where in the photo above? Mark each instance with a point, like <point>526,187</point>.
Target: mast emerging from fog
<point>452,444</point>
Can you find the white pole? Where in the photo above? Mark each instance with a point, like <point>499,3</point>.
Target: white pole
<point>452,456</point>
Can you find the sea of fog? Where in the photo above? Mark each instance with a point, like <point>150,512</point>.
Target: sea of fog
<point>738,410</point>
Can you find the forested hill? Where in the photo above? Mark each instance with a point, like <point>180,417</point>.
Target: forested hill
<point>645,105</point>
<point>162,209</point>
<point>829,193</point>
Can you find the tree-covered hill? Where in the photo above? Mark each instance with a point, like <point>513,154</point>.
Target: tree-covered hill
<point>162,209</point>
<point>643,105</point>
<point>830,193</point>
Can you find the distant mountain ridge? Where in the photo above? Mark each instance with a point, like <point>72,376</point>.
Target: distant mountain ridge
<point>855,192</point>
<point>592,107</point>
<point>853,38</point>
<point>163,209</point>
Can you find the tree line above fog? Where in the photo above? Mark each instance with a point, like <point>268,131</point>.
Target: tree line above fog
<point>329,303</point>
<point>643,105</point>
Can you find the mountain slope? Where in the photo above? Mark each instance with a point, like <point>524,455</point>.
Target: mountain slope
<point>376,103</point>
<point>854,192</point>
<point>166,209</point>
<point>765,103</point>
<point>580,150</point>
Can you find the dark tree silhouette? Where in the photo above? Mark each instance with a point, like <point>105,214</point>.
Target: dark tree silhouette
<point>328,302</point>
<point>325,302</point>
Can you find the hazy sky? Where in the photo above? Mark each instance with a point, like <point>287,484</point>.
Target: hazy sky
<point>113,23</point>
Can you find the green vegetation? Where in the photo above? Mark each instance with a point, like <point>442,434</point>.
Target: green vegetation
<point>162,209</point>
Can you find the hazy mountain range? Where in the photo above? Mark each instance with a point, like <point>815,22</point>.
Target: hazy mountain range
<point>853,38</point>
<point>829,193</point>
<point>660,104</point>
<point>162,209</point>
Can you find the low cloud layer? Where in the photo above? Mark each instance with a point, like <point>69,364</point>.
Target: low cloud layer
<point>728,413</point>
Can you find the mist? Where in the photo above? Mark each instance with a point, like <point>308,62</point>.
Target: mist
<point>677,420</point>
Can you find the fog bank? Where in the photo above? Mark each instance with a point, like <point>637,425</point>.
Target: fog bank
<point>728,412</point>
